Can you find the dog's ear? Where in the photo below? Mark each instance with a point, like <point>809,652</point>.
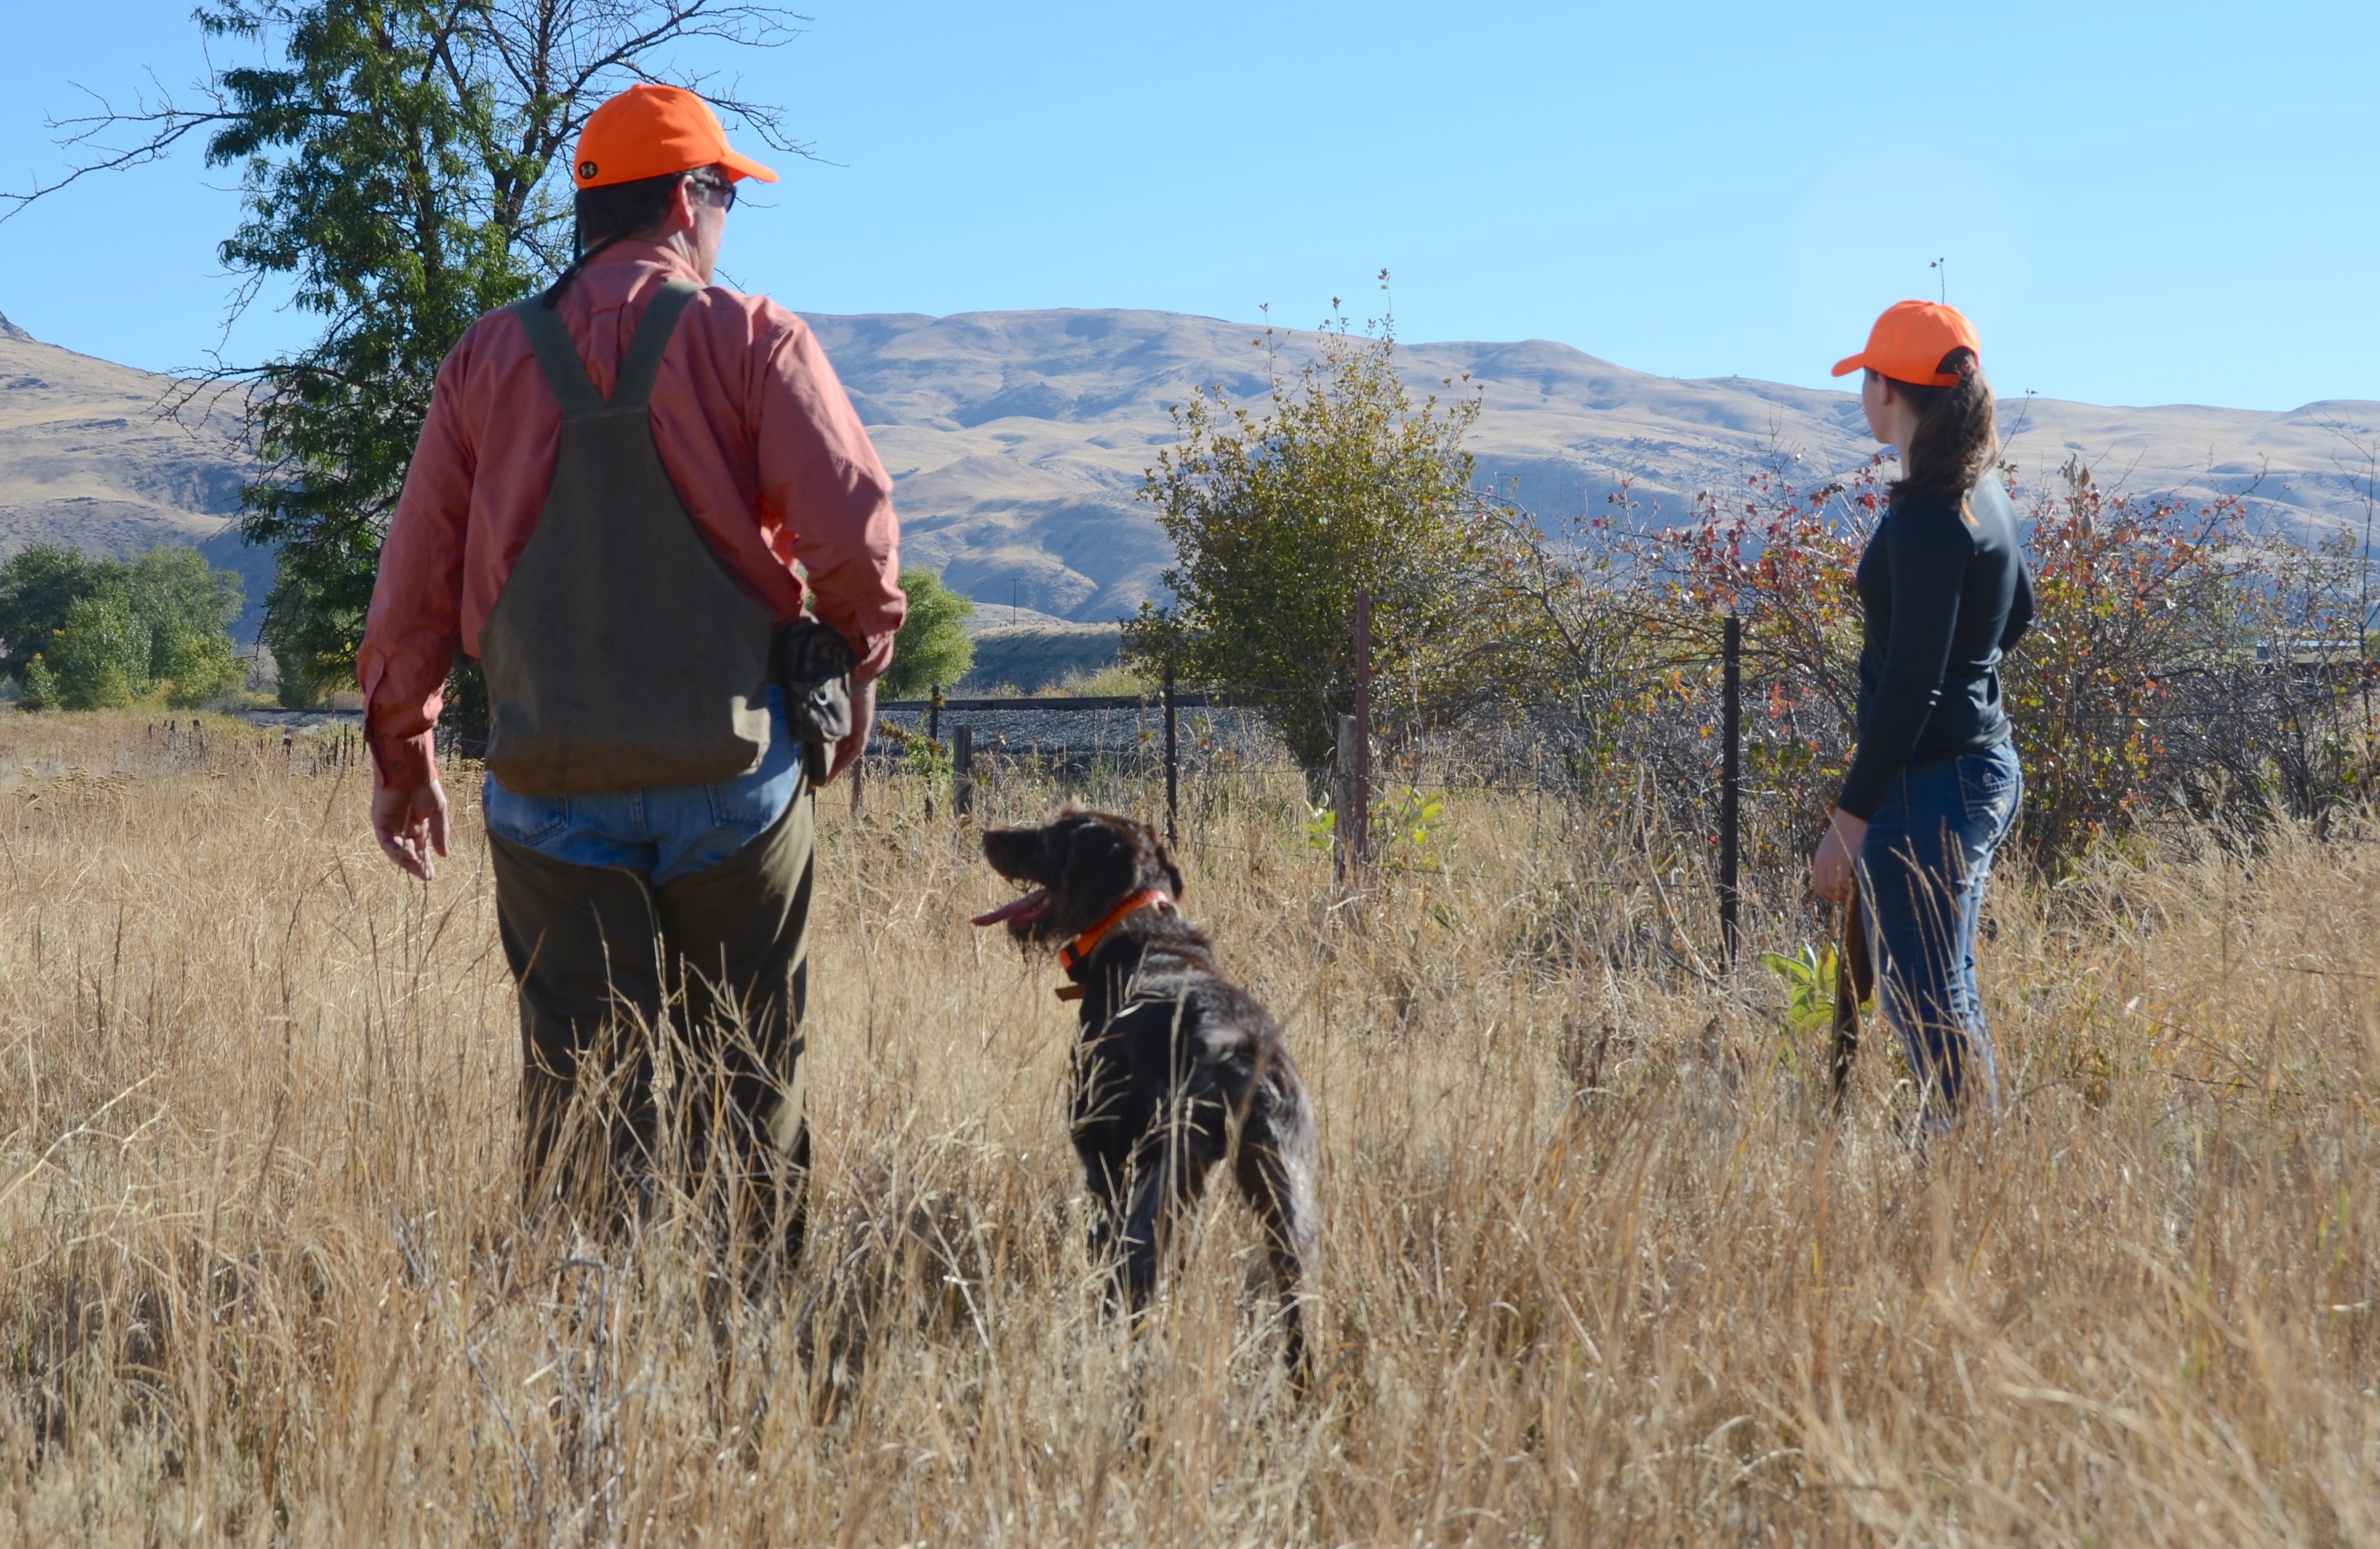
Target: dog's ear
<point>1091,865</point>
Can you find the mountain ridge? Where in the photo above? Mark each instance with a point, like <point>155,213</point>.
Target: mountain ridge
<point>1019,440</point>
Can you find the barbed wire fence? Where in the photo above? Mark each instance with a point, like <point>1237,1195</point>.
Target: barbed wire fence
<point>1680,784</point>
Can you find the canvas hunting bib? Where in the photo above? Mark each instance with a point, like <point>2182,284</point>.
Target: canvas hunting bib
<point>621,652</point>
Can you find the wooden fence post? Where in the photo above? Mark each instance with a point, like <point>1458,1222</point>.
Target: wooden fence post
<point>963,770</point>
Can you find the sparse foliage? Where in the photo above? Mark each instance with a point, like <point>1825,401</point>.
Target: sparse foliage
<point>2149,677</point>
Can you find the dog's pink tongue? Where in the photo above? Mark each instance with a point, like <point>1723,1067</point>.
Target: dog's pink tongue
<point>1032,906</point>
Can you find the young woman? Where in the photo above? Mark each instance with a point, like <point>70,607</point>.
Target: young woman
<point>1934,787</point>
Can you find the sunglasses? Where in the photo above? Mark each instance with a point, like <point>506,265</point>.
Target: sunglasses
<point>718,193</point>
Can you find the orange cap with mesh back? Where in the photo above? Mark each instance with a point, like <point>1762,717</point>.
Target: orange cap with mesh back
<point>1908,342</point>
<point>652,131</point>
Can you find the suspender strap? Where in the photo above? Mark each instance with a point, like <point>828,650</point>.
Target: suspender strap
<point>644,359</point>
<point>566,374</point>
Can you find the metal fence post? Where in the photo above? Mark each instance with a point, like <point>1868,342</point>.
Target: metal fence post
<point>1730,787</point>
<point>962,771</point>
<point>1360,776</point>
<point>1173,769</point>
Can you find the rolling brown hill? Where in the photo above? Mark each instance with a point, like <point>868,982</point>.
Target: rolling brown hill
<point>1018,441</point>
<point>88,458</point>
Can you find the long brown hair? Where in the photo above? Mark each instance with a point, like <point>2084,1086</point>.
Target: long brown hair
<point>1954,440</point>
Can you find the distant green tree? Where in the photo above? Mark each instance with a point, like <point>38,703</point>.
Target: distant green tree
<point>933,646</point>
<point>186,606</point>
<point>115,632</point>
<point>38,585</point>
<point>1277,524</point>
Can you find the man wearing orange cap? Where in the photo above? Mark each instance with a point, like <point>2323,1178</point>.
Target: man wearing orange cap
<point>614,487</point>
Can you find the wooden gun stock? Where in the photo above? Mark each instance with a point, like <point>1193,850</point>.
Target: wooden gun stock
<point>1854,981</point>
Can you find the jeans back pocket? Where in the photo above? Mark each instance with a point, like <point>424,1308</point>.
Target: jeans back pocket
<point>528,821</point>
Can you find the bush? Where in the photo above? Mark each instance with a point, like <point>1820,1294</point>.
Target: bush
<point>102,655</point>
<point>2144,680</point>
<point>1345,485</point>
<point>198,667</point>
<point>40,685</point>
<point>933,646</point>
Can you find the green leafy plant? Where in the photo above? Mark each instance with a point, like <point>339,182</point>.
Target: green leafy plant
<point>1320,826</point>
<point>102,655</point>
<point>1405,830</point>
<point>118,631</point>
<point>38,585</point>
<point>1809,976</point>
<point>926,756</point>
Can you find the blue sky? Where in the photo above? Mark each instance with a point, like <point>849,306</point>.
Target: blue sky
<point>2139,203</point>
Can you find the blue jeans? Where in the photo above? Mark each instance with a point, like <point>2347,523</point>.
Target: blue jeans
<point>661,833</point>
<point>1928,854</point>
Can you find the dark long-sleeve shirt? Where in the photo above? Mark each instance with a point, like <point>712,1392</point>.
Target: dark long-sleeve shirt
<point>1945,599</point>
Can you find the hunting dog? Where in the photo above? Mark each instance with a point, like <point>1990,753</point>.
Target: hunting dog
<point>1177,1069</point>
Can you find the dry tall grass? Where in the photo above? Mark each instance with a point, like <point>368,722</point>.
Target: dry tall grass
<point>1594,1270</point>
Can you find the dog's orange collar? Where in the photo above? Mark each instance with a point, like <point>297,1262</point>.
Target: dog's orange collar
<point>1083,945</point>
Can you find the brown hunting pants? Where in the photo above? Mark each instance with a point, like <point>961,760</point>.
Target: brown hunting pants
<point>662,1026</point>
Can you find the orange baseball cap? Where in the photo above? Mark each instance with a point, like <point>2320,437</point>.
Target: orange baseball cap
<point>1908,342</point>
<point>652,131</point>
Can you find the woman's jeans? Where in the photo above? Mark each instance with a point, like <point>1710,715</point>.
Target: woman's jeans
<point>1928,853</point>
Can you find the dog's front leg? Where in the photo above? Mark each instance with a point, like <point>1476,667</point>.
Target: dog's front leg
<point>1103,1135</point>
<point>1169,1168</point>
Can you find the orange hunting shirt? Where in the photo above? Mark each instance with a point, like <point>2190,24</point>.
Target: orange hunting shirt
<point>763,446</point>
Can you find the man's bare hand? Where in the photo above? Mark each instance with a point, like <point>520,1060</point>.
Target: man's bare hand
<point>409,825</point>
<point>863,722</point>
